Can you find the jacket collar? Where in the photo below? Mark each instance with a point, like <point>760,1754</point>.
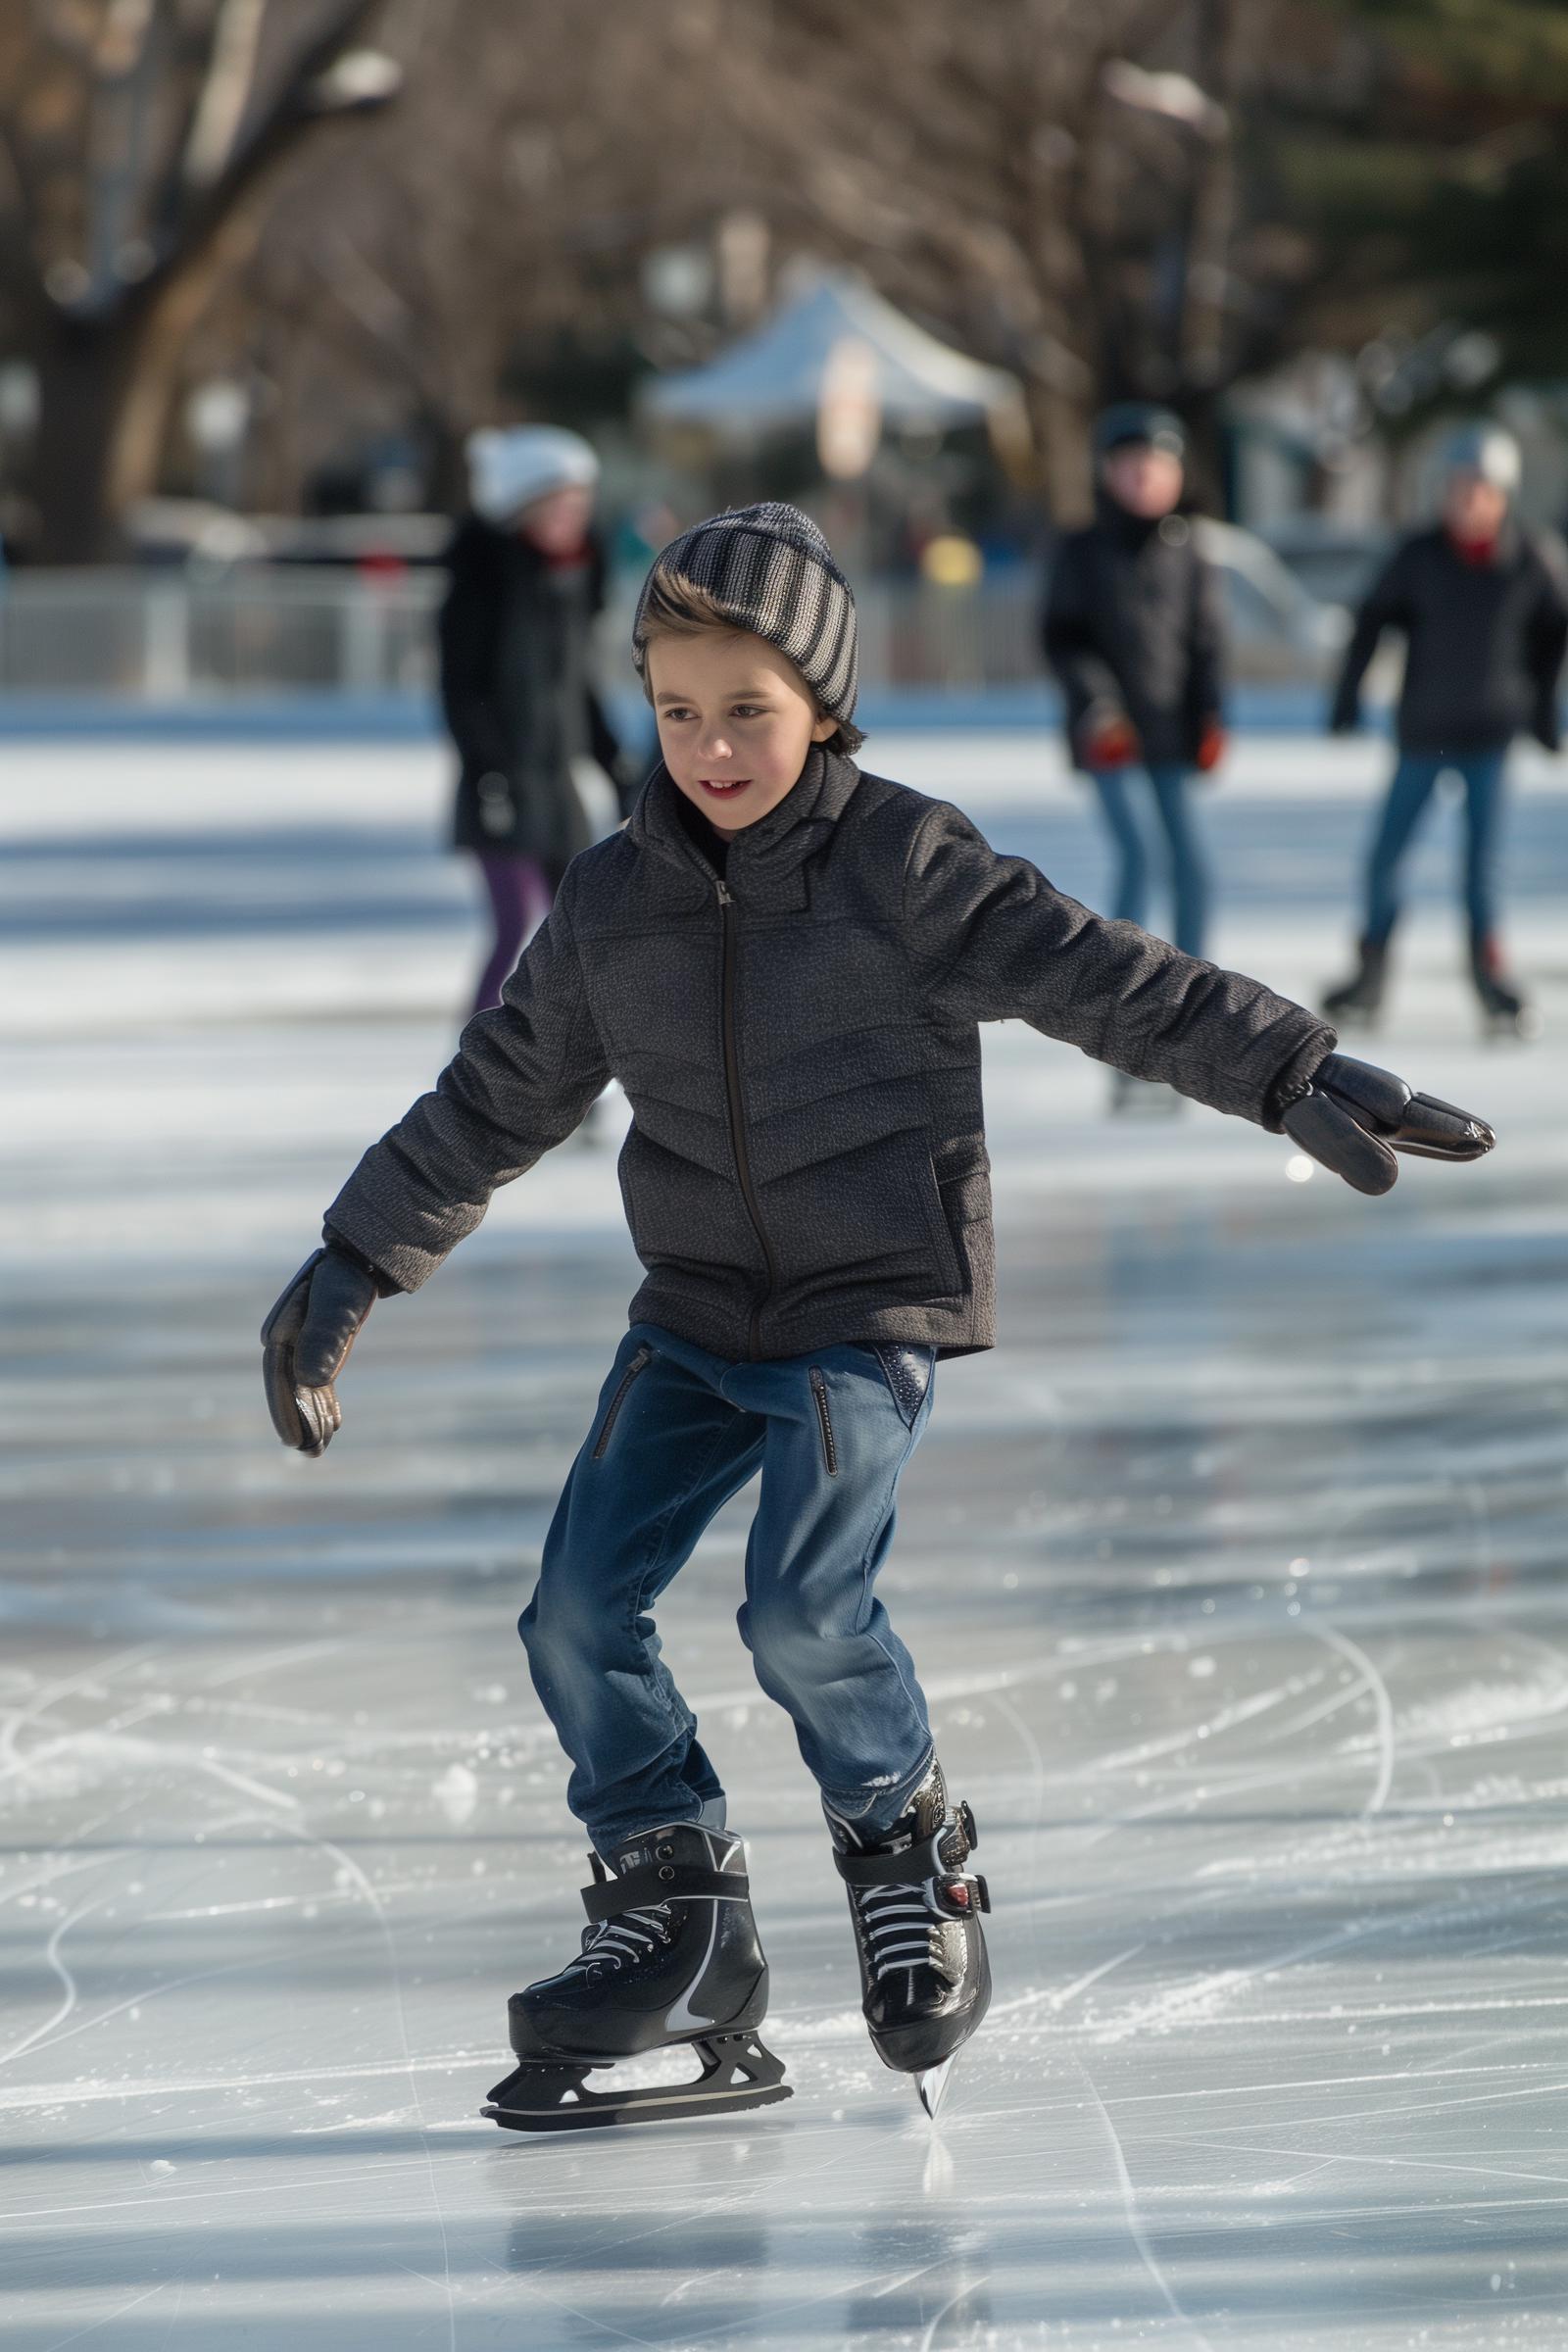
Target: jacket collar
<point>767,860</point>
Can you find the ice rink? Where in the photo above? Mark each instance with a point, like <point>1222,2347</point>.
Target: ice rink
<point>1235,1575</point>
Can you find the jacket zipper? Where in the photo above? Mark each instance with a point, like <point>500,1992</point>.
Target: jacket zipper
<point>825,1419</point>
<point>639,1363</point>
<point>737,1122</point>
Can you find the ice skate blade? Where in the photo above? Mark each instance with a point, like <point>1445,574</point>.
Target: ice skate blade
<point>931,2083</point>
<point>738,2072</point>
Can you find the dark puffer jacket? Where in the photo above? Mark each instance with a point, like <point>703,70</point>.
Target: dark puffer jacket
<point>518,697</point>
<point>799,1043</point>
<point>1133,627</point>
<point>1484,642</point>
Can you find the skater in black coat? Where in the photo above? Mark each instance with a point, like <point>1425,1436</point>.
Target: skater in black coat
<point>525,586</point>
<point>786,961</point>
<point>1132,628</point>
<point>1483,607</point>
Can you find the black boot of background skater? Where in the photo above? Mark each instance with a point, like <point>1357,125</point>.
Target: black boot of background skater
<point>670,1956</point>
<point>1359,999</point>
<point>924,1974</point>
<point>1504,1010</point>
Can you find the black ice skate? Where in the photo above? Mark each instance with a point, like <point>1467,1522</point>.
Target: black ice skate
<point>670,1955</point>
<point>924,1974</point>
<point>1360,1000</point>
<point>1504,1013</point>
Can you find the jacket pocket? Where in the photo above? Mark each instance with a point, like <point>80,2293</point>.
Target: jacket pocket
<point>638,1365</point>
<point>824,1422</point>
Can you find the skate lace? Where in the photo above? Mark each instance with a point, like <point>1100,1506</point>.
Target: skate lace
<point>897,1922</point>
<point>626,1936</point>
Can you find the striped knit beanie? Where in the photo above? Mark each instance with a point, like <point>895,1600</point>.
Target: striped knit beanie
<point>770,570</point>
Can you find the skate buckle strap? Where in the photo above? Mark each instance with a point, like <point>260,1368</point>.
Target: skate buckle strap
<point>658,1882</point>
<point>921,1860</point>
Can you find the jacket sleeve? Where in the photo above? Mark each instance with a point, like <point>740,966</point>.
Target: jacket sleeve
<point>1206,658</point>
<point>993,940</point>
<point>1086,679</point>
<point>1546,642</point>
<point>524,1076</point>
<point>465,641</point>
<point>1386,605</point>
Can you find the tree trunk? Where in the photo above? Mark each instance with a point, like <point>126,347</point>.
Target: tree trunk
<point>83,370</point>
<point>106,388</point>
<point>1061,421</point>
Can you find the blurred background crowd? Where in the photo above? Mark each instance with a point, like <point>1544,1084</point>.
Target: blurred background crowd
<point>266,264</point>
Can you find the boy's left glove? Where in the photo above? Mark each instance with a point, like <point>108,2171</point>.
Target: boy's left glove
<point>1355,1117</point>
<point>306,1342</point>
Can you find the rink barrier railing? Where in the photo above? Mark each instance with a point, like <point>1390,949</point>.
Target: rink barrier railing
<point>166,637</point>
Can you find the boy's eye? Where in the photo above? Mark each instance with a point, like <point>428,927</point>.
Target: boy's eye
<point>749,711</point>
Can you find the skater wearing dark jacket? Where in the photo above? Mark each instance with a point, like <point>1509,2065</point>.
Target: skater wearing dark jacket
<point>1133,632</point>
<point>1483,607</point>
<point>526,582</point>
<point>785,961</point>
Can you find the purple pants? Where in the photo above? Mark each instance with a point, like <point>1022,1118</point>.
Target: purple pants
<point>521,896</point>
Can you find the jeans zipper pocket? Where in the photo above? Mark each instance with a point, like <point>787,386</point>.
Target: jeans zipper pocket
<point>824,1422</point>
<point>639,1363</point>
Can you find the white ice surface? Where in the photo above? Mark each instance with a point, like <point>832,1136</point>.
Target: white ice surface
<point>1235,1574</point>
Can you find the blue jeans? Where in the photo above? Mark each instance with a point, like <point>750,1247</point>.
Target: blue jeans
<point>1412,785</point>
<point>677,1433</point>
<point>1126,813</point>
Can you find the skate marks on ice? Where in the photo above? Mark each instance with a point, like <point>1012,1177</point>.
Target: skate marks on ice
<point>1192,1872</point>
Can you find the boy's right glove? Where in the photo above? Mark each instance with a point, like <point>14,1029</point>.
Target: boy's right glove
<point>1355,1117</point>
<point>1212,746</point>
<point>306,1342</point>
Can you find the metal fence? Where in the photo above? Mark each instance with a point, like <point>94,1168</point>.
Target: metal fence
<point>170,636</point>
<point>160,636</point>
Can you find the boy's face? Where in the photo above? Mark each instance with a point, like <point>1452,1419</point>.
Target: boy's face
<point>558,523</point>
<point>736,720</point>
<point>1146,480</point>
<point>1474,508</point>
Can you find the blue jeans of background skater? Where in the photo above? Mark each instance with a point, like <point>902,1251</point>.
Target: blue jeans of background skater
<point>1412,785</point>
<point>677,1433</point>
<point>1133,799</point>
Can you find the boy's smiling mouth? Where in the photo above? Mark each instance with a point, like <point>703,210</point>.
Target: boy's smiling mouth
<point>724,786</point>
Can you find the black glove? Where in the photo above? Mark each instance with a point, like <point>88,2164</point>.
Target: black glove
<point>306,1342</point>
<point>1354,1117</point>
<point>1344,714</point>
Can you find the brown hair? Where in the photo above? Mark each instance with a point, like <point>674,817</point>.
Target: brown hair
<point>676,607</point>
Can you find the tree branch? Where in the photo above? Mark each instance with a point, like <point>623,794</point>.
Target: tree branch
<point>190,215</point>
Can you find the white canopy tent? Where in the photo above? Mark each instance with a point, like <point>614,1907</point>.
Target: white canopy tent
<point>785,372</point>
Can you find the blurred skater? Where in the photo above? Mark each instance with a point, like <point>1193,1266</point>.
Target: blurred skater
<point>527,584</point>
<point>1133,632</point>
<point>1484,610</point>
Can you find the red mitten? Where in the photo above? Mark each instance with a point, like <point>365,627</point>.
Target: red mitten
<point>1213,745</point>
<point>1108,740</point>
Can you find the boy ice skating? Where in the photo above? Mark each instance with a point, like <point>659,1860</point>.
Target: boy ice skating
<point>1133,630</point>
<point>1484,608</point>
<point>785,961</point>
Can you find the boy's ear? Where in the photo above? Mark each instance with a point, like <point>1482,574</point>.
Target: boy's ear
<point>825,727</point>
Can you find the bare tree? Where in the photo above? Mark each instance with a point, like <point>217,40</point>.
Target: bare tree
<point>140,140</point>
<point>1058,183</point>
